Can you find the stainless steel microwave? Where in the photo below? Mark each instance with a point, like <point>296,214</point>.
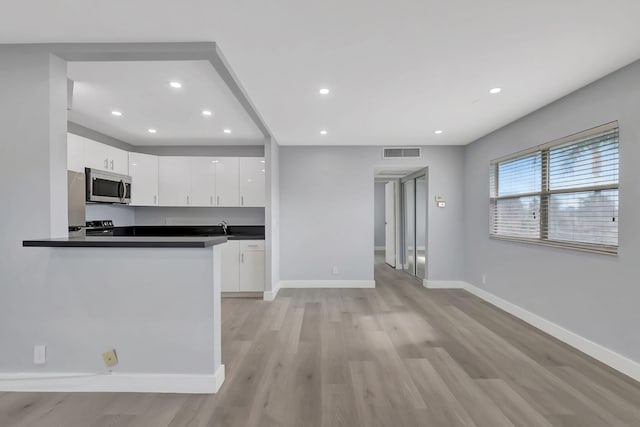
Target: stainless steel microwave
<point>107,187</point>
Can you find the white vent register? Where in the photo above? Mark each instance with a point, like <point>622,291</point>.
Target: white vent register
<point>401,153</point>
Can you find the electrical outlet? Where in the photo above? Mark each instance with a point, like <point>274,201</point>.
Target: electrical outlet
<point>39,354</point>
<point>110,358</point>
<point>334,270</point>
<point>484,278</point>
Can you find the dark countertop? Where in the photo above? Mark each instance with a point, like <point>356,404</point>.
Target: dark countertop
<point>128,242</point>
<point>236,232</point>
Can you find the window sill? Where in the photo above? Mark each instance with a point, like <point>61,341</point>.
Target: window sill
<point>582,247</point>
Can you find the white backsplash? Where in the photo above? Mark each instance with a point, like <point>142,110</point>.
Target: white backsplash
<point>198,216</point>
<point>122,216</point>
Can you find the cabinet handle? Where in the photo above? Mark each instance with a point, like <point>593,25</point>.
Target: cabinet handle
<point>187,199</point>
<point>106,164</point>
<point>242,257</point>
<point>252,246</point>
<point>111,164</point>
<point>241,200</point>
<point>211,200</point>
<point>218,200</point>
<point>155,200</point>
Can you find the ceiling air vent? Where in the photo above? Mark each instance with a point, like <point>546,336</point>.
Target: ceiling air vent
<point>401,153</point>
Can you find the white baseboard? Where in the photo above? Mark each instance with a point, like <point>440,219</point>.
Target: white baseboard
<point>609,357</point>
<point>379,248</point>
<point>320,284</point>
<point>444,284</point>
<point>124,383</point>
<point>271,295</point>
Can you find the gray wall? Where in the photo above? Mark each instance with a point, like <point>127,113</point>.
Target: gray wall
<point>378,214</point>
<point>595,296</point>
<point>33,121</point>
<point>327,211</point>
<point>272,214</point>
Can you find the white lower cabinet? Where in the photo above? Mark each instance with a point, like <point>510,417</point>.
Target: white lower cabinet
<point>230,260</point>
<point>243,267</point>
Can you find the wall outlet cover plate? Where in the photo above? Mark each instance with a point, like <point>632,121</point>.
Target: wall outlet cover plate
<point>110,358</point>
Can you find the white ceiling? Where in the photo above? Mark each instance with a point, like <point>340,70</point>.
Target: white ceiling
<point>141,91</point>
<point>398,70</point>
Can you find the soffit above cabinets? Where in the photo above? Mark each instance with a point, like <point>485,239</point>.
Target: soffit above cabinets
<point>141,91</point>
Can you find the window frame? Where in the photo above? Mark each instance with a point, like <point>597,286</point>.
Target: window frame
<point>545,192</point>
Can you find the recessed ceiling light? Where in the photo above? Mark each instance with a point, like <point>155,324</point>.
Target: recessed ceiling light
<point>324,91</point>
<point>116,113</point>
<point>175,85</point>
<point>262,170</point>
<point>227,131</point>
<point>206,112</point>
<point>151,130</point>
<point>261,161</point>
<point>495,90</point>
<point>215,161</point>
<point>323,132</point>
<point>438,132</point>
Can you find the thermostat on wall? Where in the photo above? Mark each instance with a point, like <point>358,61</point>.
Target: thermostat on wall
<point>440,202</point>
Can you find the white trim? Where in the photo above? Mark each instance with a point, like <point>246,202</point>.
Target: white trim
<point>444,284</point>
<point>115,382</point>
<point>379,248</point>
<point>610,358</point>
<point>319,284</point>
<point>271,295</point>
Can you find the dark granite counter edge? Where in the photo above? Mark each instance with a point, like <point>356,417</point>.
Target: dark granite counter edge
<point>133,242</point>
<point>236,232</point>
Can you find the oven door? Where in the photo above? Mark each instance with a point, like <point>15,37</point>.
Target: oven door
<point>106,187</point>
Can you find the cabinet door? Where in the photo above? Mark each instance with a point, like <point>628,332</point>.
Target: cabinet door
<point>252,188</point>
<point>203,181</point>
<point>143,169</point>
<point>96,155</point>
<point>174,182</point>
<point>75,153</point>
<point>118,160</point>
<point>227,185</point>
<point>251,271</point>
<point>230,264</point>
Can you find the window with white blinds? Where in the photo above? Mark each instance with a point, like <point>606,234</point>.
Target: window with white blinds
<point>564,193</point>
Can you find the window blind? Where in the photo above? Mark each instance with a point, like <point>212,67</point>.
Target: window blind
<point>564,193</point>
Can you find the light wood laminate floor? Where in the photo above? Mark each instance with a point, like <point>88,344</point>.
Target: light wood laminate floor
<point>397,355</point>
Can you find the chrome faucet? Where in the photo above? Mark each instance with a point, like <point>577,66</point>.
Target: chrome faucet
<point>224,226</point>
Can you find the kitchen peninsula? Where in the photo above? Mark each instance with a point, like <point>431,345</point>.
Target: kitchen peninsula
<point>156,300</point>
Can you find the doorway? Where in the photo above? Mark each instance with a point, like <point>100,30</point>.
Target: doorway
<point>414,190</point>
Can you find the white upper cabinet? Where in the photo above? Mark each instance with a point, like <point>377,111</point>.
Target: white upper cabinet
<point>143,169</point>
<point>227,181</point>
<point>174,183</point>
<point>252,182</point>
<point>104,157</point>
<point>75,153</point>
<point>84,152</point>
<point>203,182</point>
